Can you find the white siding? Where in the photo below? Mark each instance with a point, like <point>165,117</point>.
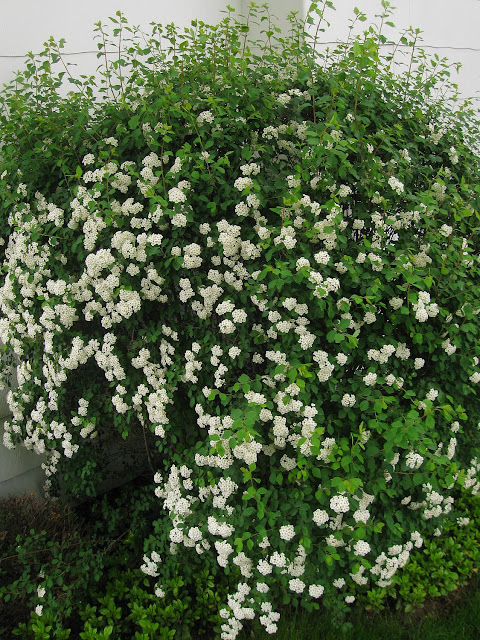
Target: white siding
<point>19,469</point>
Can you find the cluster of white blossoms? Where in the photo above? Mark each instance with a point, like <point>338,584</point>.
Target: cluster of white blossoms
<point>387,564</point>
<point>370,379</point>
<point>159,303</point>
<point>339,504</point>
<point>348,400</point>
<point>325,367</point>
<point>396,185</point>
<point>414,460</point>
<point>424,309</point>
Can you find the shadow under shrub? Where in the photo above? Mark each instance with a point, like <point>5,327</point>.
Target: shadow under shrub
<point>259,260</point>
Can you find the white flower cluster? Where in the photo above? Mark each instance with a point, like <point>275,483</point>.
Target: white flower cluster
<point>348,400</point>
<point>396,185</point>
<point>423,308</point>
<point>413,460</point>
<point>339,504</point>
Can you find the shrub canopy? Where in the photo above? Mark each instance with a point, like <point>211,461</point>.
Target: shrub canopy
<point>260,261</point>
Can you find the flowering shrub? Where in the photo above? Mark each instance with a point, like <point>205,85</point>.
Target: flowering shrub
<point>263,259</point>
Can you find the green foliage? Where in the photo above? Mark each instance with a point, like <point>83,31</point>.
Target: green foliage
<point>251,268</point>
<point>445,564</point>
<point>85,577</point>
<point>46,559</point>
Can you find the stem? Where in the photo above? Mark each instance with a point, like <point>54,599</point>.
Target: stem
<point>409,72</point>
<point>119,59</point>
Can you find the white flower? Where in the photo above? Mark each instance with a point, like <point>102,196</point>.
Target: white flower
<point>452,154</point>
<point>417,539</point>
<point>370,379</point>
<point>421,314</point>
<point>322,257</point>
<point>344,191</point>
<point>226,326</point>
<point>287,532</point>
<point>448,347</point>
<point>179,220</point>
<point>396,303</point>
<point>278,559</point>
<point>176,195</point>
<point>250,169</point>
<point>205,116</point>
<point>243,183</point>
<point>195,534</point>
<point>176,535</point>
<point>316,590</point>
<point>88,159</point>
<point>361,548</point>
<point>239,315</point>
<point>320,517</point>
<point>339,504</point>
<point>39,609</point>
<point>302,262</point>
<point>413,460</point>
<point>361,515</point>
<point>432,395</point>
<point>296,585</point>
<point>264,567</point>
<point>348,400</point>
<point>396,185</point>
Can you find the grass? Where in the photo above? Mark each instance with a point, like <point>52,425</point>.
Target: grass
<point>454,618</point>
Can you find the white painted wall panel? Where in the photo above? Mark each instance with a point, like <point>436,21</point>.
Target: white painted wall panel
<point>449,29</point>
<point>20,470</point>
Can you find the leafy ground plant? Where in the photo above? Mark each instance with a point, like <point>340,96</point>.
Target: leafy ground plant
<point>260,260</point>
<point>43,547</point>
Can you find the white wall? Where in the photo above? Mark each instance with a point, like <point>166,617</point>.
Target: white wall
<point>450,29</point>
<point>279,9</point>
<point>26,24</point>
<point>19,469</point>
